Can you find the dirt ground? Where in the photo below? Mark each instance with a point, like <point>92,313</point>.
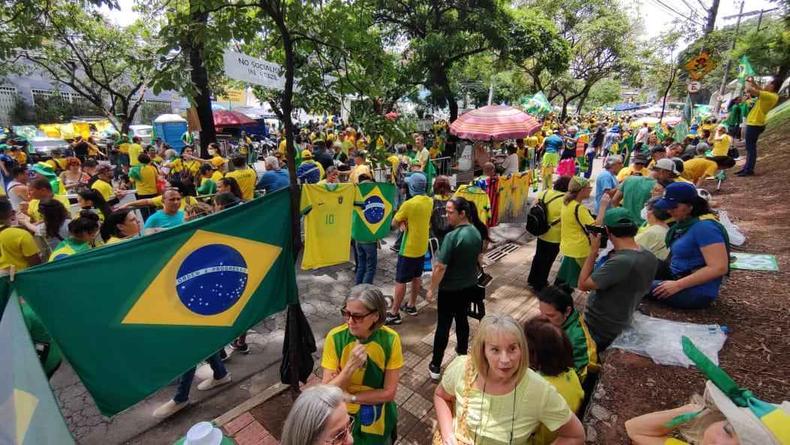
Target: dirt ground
<point>753,305</point>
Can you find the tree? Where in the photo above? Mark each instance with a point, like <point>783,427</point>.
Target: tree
<point>601,38</point>
<point>110,67</point>
<point>440,35</point>
<point>605,92</point>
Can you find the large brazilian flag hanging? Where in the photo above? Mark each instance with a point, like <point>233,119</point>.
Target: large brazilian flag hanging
<point>373,210</point>
<point>133,316</point>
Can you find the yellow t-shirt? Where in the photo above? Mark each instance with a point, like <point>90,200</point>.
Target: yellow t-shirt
<point>417,213</point>
<point>721,146</point>
<point>765,101</point>
<point>361,169</point>
<point>247,179</point>
<point>104,188</point>
<point>479,197</point>
<point>15,245</point>
<point>146,185</point>
<point>490,418</point>
<point>281,148</point>
<point>35,215</point>
<point>554,200</point>
<point>574,242</point>
<point>531,142</point>
<point>394,162</point>
<point>328,209</point>
<point>156,201</point>
<point>697,168</point>
<point>216,176</point>
<point>124,148</point>
<point>218,162</point>
<point>134,152</point>
<point>113,240</point>
<point>569,387</point>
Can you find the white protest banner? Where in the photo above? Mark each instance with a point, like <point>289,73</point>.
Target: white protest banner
<point>249,69</point>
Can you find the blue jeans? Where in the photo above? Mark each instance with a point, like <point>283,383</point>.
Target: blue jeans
<point>685,299</point>
<point>182,393</point>
<point>367,258</point>
<point>750,138</point>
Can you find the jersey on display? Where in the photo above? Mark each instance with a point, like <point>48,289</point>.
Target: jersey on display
<point>327,209</point>
<point>373,211</point>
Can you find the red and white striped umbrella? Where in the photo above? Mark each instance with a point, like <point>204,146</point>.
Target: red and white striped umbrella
<point>494,123</point>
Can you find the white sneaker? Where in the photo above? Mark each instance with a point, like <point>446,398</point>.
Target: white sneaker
<point>210,383</point>
<point>169,408</point>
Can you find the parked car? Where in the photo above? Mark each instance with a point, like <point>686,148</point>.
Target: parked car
<point>41,146</point>
<point>144,132</point>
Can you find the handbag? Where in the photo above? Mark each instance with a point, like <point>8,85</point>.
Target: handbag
<point>477,307</point>
<point>469,379</point>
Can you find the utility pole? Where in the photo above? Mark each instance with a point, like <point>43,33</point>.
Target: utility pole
<point>714,9</point>
<point>729,60</point>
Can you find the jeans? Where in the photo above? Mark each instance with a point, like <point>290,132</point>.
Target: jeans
<point>182,393</point>
<point>451,305</point>
<point>545,254</point>
<point>685,299</point>
<point>750,138</point>
<point>367,257</point>
<point>590,160</point>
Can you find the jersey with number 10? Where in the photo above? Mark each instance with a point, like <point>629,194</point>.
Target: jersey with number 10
<point>327,209</point>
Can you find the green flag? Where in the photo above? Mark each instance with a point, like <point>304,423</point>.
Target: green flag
<point>29,413</point>
<point>132,316</point>
<point>744,69</point>
<point>373,210</point>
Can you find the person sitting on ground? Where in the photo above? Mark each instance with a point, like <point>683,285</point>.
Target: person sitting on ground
<point>698,248</point>
<point>364,359</point>
<point>309,171</point>
<point>620,283</point>
<point>551,355</point>
<point>82,233</point>
<point>245,176</point>
<point>18,248</point>
<point>700,168</point>
<point>492,397</point>
<point>720,141</point>
<point>557,306</point>
<point>653,236</point>
<point>574,219</point>
<point>275,178</point>
<point>38,191</point>
<point>120,226</point>
<point>319,416</point>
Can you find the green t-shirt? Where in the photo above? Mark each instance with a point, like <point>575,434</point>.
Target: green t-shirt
<point>636,192</point>
<point>459,252</point>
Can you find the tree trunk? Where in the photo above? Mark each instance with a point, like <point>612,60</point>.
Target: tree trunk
<point>711,22</point>
<point>199,75</point>
<point>564,112</point>
<point>444,83</point>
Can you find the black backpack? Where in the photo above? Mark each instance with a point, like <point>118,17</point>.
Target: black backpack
<point>538,216</point>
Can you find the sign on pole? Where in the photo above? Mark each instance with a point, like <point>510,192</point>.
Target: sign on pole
<point>249,69</point>
<point>694,86</point>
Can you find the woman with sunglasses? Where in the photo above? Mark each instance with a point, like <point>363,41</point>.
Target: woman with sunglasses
<point>363,358</point>
<point>318,417</point>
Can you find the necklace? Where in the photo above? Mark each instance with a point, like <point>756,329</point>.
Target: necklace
<point>482,403</point>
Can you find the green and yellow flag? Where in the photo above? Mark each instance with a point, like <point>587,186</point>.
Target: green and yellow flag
<point>373,210</point>
<point>131,317</point>
<point>29,413</point>
<point>744,70</point>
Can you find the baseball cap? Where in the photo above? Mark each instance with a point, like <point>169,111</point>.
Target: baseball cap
<point>666,164</point>
<point>307,154</point>
<point>640,159</point>
<point>676,193</point>
<point>618,216</point>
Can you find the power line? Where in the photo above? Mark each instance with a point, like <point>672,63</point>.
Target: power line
<point>677,14</point>
<point>693,10</point>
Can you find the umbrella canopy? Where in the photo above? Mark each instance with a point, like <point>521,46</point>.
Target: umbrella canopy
<point>494,122</point>
<point>225,118</point>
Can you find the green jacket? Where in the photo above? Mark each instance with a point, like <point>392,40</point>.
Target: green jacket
<point>585,353</point>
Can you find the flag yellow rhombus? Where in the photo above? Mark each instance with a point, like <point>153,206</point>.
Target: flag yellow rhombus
<point>207,282</point>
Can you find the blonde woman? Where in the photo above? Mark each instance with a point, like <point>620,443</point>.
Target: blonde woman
<point>574,239</point>
<point>492,397</point>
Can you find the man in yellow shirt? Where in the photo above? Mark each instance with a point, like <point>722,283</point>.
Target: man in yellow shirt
<point>144,176</point>
<point>41,190</point>
<point>18,249</point>
<point>135,149</point>
<point>700,168</point>
<point>721,141</point>
<point>103,183</point>
<point>360,168</point>
<point>755,120</point>
<point>244,176</point>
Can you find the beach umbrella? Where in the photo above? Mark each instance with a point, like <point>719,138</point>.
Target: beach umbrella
<point>494,123</point>
<point>225,118</point>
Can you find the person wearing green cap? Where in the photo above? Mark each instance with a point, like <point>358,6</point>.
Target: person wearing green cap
<point>619,284</point>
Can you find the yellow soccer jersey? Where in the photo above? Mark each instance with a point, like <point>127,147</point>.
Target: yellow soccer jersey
<point>479,197</point>
<point>506,195</point>
<point>328,209</point>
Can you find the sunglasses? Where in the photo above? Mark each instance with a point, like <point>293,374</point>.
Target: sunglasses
<point>355,317</point>
<point>343,434</point>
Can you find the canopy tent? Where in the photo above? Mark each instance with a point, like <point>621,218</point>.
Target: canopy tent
<point>225,118</point>
<point>494,123</point>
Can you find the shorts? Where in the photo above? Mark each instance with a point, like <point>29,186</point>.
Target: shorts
<point>408,269</point>
<point>551,159</point>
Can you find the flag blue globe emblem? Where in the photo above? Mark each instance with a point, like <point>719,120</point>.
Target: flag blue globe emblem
<point>211,279</point>
<point>373,209</point>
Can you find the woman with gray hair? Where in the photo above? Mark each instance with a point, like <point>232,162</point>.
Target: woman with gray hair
<point>363,358</point>
<point>318,417</point>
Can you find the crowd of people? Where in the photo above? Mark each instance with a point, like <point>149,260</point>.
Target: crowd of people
<point>640,229</point>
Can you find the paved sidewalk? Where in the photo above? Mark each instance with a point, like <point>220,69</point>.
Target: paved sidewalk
<point>506,294</point>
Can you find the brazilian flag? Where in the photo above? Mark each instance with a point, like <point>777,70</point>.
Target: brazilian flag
<point>29,413</point>
<point>373,210</point>
<point>131,317</point>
